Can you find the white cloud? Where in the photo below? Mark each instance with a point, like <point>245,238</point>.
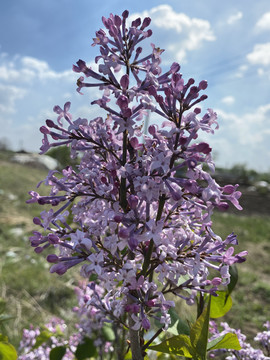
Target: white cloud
<point>234,18</point>
<point>243,138</point>
<point>188,33</point>
<point>260,54</point>
<point>9,94</point>
<point>28,85</point>
<point>250,128</point>
<point>26,69</point>
<point>228,100</point>
<point>264,22</point>
<point>241,71</point>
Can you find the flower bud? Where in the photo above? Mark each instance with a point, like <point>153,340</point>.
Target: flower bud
<point>133,201</point>
<point>124,82</point>
<point>123,233</point>
<point>52,258</point>
<point>125,14</point>
<point>146,323</point>
<point>203,85</point>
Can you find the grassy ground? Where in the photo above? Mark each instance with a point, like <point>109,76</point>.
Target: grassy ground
<point>33,294</point>
<point>251,305</point>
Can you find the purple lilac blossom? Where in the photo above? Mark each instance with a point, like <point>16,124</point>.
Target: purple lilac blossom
<point>57,327</point>
<point>141,203</point>
<point>247,352</point>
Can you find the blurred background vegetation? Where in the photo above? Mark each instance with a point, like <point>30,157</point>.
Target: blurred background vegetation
<point>32,295</point>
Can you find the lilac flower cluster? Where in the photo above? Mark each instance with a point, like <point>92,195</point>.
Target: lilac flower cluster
<point>57,327</point>
<point>90,318</point>
<point>247,352</point>
<point>140,202</point>
<point>90,324</point>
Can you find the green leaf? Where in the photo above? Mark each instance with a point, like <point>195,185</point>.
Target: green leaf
<point>7,351</point>
<point>220,304</point>
<point>178,345</point>
<point>93,277</point>
<point>234,278</point>
<point>177,326</point>
<point>227,341</point>
<point>199,333</point>
<point>58,353</point>
<point>128,356</point>
<point>86,349</point>
<point>42,338</point>
<point>108,332</point>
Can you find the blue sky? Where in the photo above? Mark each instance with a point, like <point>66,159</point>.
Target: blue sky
<point>224,42</point>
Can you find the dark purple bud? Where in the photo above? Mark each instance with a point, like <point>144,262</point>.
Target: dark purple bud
<point>193,90</point>
<point>118,218</point>
<point>122,102</point>
<point>152,130</point>
<point>52,258</point>
<point>134,142</point>
<point>50,123</point>
<point>37,221</point>
<point>123,233</point>
<point>203,85</point>
<point>190,82</point>
<point>159,99</point>
<point>146,22</point>
<point>152,91</point>
<point>146,323</point>
<point>203,97</point>
<point>182,140</point>
<point>197,111</point>
<point>35,242</point>
<point>127,113</point>
<point>38,250</point>
<point>117,21</point>
<point>138,50</point>
<point>44,130</point>
<point>174,68</point>
<point>240,257</point>
<point>150,303</point>
<point>86,298</point>
<point>59,268</point>
<point>53,239</point>
<point>105,22</point>
<point>125,14</point>
<point>223,206</point>
<point>133,201</point>
<point>228,189</point>
<point>42,201</point>
<point>136,22</point>
<point>203,147</point>
<point>149,33</point>
<point>133,243</point>
<point>124,82</point>
<point>132,308</point>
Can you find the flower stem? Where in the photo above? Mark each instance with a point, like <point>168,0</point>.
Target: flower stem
<point>134,338</point>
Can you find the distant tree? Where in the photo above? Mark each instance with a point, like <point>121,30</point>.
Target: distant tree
<point>62,155</point>
<point>4,144</point>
